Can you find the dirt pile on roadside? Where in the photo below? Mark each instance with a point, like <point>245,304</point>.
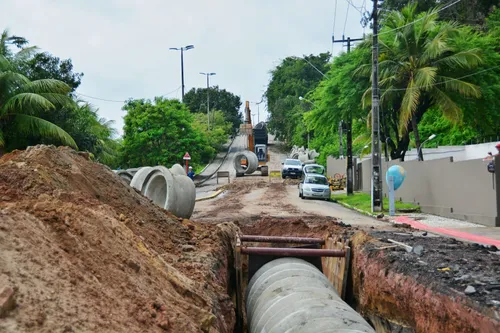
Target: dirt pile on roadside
<point>304,226</point>
<point>84,252</point>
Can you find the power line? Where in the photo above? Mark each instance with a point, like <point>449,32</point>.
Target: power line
<point>446,81</point>
<point>355,7</point>
<point>420,19</point>
<point>118,101</point>
<point>100,99</point>
<point>346,16</point>
<point>334,17</point>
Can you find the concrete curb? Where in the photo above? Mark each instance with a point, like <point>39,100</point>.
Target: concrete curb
<point>211,196</point>
<point>356,209</point>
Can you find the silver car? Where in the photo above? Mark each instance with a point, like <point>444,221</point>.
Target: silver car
<point>314,186</point>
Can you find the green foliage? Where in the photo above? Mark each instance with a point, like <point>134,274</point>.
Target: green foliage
<point>422,65</point>
<point>220,99</point>
<point>220,129</point>
<point>160,132</point>
<point>293,78</point>
<point>471,12</point>
<point>21,103</point>
<point>44,65</point>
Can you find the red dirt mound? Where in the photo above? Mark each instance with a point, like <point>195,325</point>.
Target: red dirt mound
<point>304,226</point>
<point>83,251</point>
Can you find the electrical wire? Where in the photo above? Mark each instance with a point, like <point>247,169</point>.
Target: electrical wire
<point>346,16</point>
<point>99,99</point>
<point>117,101</point>
<point>443,82</point>
<point>355,7</point>
<point>420,19</point>
<point>334,17</point>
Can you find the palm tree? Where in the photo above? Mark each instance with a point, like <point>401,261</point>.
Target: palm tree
<point>22,100</point>
<point>420,62</point>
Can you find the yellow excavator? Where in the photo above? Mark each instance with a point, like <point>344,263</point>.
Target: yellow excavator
<point>257,141</point>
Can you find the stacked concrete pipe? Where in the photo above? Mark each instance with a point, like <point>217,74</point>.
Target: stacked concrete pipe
<point>305,155</point>
<point>252,162</point>
<point>125,175</point>
<point>169,189</point>
<point>292,295</point>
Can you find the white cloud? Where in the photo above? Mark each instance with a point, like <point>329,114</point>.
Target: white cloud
<point>122,45</point>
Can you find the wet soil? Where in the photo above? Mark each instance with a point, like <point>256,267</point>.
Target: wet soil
<point>448,262</point>
<point>84,252</point>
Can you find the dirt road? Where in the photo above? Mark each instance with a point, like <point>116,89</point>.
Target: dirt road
<point>252,196</point>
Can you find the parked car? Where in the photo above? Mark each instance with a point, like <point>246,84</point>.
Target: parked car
<point>314,186</point>
<point>291,168</point>
<point>313,169</point>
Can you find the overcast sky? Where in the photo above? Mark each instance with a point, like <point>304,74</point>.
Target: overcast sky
<point>122,46</point>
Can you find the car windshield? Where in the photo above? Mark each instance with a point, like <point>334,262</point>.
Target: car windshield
<point>315,169</point>
<point>292,162</point>
<point>316,180</point>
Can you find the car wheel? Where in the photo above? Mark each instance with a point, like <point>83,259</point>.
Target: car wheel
<point>302,196</point>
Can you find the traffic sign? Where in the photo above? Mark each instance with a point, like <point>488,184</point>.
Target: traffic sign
<point>186,156</point>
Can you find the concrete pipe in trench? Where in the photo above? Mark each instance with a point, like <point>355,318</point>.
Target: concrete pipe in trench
<point>169,190</point>
<point>252,162</point>
<point>292,295</point>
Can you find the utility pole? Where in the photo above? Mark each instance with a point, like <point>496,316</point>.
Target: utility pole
<point>350,173</point>
<point>341,149</point>
<point>377,203</point>
<point>208,97</point>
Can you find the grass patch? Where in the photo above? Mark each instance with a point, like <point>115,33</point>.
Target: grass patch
<point>362,201</point>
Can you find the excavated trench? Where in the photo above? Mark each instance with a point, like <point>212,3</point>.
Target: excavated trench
<point>392,289</point>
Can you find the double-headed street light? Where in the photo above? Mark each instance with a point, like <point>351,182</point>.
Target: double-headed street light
<point>182,49</point>
<point>208,97</point>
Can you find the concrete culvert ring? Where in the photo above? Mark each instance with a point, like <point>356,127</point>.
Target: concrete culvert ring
<point>173,192</point>
<point>125,175</point>
<point>252,162</point>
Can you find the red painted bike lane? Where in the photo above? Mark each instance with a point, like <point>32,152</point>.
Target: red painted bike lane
<point>448,232</point>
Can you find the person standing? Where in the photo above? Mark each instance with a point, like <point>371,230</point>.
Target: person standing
<point>190,174</point>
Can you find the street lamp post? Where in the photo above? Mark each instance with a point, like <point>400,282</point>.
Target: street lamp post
<point>182,49</point>
<point>303,99</point>
<point>208,97</point>
<point>419,150</point>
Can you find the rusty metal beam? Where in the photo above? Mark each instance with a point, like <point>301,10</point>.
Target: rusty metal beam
<point>292,252</point>
<point>278,239</point>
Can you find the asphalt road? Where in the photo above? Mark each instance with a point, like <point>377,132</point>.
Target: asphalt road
<point>209,186</point>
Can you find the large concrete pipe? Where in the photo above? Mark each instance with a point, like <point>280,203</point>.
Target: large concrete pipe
<point>125,175</point>
<point>176,193</point>
<point>139,178</point>
<point>177,169</point>
<point>303,157</point>
<point>292,295</point>
<point>252,162</point>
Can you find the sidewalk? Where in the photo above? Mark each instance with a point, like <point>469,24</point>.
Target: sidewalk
<point>453,228</point>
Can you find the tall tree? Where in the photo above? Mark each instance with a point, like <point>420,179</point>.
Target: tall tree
<point>220,99</point>
<point>293,78</point>
<point>470,12</point>
<point>22,101</point>
<point>420,67</point>
<point>44,65</point>
<point>160,132</point>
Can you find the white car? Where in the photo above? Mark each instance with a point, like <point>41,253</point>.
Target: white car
<point>314,186</point>
<point>291,168</point>
<point>313,169</point>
